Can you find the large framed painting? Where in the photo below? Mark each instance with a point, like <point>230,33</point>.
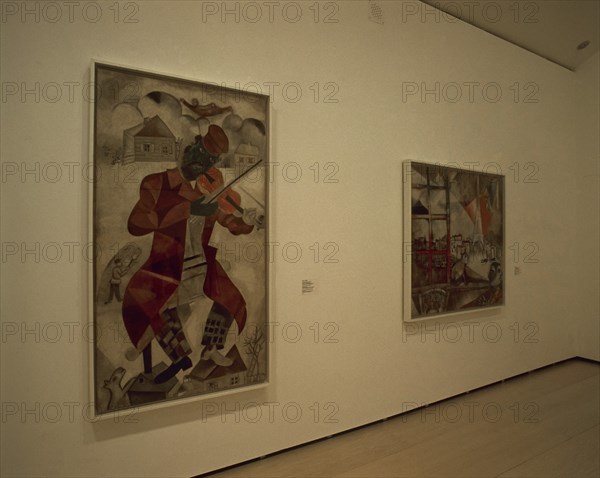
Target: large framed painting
<point>179,224</point>
<point>453,240</point>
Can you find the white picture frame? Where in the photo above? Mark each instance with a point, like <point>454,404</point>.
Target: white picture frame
<point>453,241</point>
<point>153,228</point>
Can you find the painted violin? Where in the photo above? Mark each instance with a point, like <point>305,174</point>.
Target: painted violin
<point>229,200</point>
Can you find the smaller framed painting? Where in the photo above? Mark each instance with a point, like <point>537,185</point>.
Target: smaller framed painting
<point>453,240</point>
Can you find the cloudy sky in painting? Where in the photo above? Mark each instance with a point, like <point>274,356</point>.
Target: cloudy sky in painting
<point>124,100</point>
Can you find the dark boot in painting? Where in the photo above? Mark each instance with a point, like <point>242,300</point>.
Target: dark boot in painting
<point>173,369</point>
<point>147,354</point>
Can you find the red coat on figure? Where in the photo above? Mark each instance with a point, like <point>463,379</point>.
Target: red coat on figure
<point>163,209</point>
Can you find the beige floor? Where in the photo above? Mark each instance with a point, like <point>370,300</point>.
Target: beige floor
<point>543,424</point>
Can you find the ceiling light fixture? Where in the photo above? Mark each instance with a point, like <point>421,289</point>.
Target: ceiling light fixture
<point>583,44</point>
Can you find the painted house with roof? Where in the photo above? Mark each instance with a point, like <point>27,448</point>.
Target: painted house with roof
<point>210,377</point>
<point>246,156</point>
<point>151,140</point>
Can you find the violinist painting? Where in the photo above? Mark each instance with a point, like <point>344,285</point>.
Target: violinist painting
<point>189,303</point>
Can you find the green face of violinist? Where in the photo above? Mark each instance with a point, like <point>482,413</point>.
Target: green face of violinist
<point>196,161</point>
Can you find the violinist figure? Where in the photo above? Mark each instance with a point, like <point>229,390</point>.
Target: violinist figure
<point>167,200</point>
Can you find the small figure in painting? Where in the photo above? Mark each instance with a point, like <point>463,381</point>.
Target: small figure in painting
<point>204,111</point>
<point>118,271</point>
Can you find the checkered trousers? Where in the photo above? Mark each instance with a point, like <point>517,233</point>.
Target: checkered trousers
<point>171,337</point>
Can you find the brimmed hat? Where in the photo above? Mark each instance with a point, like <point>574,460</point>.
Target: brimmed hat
<point>215,141</point>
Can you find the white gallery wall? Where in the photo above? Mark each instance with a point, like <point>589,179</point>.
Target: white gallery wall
<point>354,95</point>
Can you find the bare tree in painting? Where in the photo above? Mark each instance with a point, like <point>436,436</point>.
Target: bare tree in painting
<point>254,344</point>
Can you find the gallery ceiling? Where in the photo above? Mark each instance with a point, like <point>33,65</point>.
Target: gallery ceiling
<point>553,29</point>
